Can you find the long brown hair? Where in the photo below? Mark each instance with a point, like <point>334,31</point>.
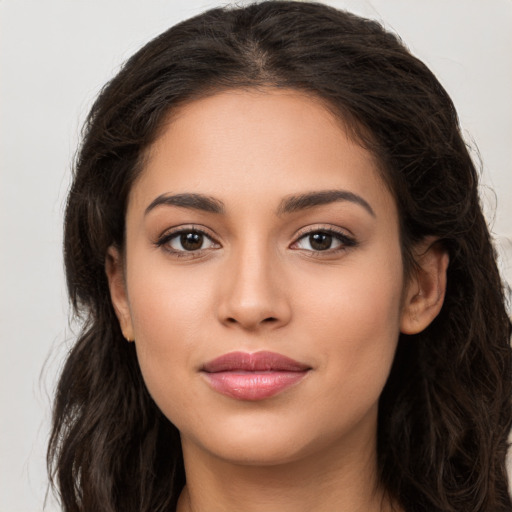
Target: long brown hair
<point>445,413</point>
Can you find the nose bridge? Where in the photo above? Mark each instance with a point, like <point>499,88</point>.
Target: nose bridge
<point>253,294</point>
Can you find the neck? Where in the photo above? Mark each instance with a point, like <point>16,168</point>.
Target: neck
<point>337,479</point>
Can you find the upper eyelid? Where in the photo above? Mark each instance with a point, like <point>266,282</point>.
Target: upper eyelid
<point>176,230</point>
<point>343,232</point>
<point>300,232</point>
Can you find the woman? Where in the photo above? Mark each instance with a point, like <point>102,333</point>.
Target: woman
<point>290,298</point>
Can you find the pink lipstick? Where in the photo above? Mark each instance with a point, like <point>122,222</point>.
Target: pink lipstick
<point>256,376</point>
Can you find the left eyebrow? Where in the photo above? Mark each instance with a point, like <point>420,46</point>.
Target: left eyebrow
<point>303,201</point>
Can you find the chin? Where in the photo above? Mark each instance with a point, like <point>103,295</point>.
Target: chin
<point>267,440</point>
<point>262,451</point>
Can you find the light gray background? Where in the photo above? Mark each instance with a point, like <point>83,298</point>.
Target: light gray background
<point>54,57</point>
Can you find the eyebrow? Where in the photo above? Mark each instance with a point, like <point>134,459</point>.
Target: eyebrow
<point>288,205</point>
<point>303,201</point>
<point>194,201</point>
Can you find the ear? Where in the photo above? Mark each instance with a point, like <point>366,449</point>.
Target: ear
<point>424,295</point>
<point>115,274</point>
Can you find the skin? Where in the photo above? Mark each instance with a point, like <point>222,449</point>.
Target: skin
<point>256,284</point>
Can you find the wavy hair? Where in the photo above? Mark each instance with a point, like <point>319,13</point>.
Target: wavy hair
<point>445,413</point>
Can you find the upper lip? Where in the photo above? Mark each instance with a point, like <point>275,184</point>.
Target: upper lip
<point>253,362</point>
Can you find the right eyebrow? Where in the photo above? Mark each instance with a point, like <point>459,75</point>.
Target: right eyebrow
<point>194,201</point>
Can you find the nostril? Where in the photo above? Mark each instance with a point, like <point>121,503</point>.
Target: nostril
<point>268,320</point>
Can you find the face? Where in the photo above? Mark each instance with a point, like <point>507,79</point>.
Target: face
<point>263,279</point>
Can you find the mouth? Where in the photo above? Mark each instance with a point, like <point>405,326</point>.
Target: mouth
<point>255,376</point>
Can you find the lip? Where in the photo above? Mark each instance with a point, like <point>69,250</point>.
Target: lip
<point>256,376</point>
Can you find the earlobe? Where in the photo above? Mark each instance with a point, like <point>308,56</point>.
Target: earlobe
<point>426,289</point>
<point>116,282</point>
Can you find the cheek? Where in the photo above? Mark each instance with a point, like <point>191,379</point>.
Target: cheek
<point>355,321</point>
<point>168,311</point>
<point>165,300</point>
<point>360,300</point>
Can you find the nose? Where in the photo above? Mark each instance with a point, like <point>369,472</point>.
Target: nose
<point>254,294</point>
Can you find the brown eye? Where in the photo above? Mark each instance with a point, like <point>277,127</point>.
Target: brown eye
<point>320,241</point>
<point>191,241</point>
<point>324,241</point>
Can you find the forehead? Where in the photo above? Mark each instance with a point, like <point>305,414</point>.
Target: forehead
<point>257,145</point>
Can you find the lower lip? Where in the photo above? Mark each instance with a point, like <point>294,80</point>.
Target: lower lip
<point>253,385</point>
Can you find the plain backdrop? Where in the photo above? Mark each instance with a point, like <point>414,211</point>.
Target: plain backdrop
<point>54,57</point>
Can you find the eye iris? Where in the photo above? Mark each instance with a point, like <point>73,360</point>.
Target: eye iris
<point>320,241</point>
<point>191,241</point>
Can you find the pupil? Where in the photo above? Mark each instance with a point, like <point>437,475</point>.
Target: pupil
<point>320,241</point>
<point>191,241</point>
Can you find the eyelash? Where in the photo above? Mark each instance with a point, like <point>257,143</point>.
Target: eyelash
<point>346,242</point>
